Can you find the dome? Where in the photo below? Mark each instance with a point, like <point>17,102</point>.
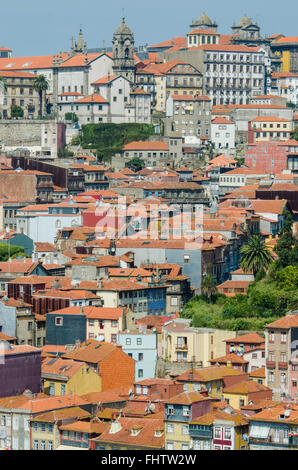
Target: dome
<point>123,28</point>
<point>204,20</point>
<point>245,21</point>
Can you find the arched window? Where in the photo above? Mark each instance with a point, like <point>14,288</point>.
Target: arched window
<point>126,53</point>
<point>116,52</point>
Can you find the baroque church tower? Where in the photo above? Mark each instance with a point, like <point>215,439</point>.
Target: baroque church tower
<point>123,52</point>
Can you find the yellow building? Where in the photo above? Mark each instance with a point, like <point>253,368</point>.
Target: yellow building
<point>183,343</point>
<point>213,379</point>
<point>179,412</point>
<point>286,49</point>
<point>45,433</point>
<point>258,375</point>
<point>240,394</point>
<point>271,128</point>
<point>64,376</point>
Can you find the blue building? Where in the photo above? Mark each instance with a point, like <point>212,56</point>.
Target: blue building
<point>65,328</point>
<point>142,347</point>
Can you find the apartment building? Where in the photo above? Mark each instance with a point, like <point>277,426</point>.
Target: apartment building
<point>281,349</point>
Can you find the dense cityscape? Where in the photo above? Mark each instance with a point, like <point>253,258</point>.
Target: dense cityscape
<point>149,243</point>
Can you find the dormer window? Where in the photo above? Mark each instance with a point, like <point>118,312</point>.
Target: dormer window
<point>136,430</point>
<point>186,411</point>
<point>158,433</point>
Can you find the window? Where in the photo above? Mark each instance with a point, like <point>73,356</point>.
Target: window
<point>283,337</point>
<point>59,321</point>
<point>170,428</point>
<point>186,411</point>
<point>185,430</point>
<point>50,445</point>
<point>128,341</point>
<point>186,259</point>
<point>171,411</point>
<point>228,433</point>
<point>35,444</point>
<point>140,357</point>
<point>217,433</point>
<point>140,373</point>
<point>271,336</point>
<point>139,341</point>
<point>42,445</point>
<point>62,389</point>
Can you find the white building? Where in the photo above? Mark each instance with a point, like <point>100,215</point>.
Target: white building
<point>223,134</point>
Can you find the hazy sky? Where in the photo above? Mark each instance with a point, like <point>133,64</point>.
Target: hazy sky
<point>37,27</point>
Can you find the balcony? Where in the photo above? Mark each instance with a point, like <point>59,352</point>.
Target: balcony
<point>200,433</point>
<point>270,364</point>
<point>283,365</point>
<point>181,347</point>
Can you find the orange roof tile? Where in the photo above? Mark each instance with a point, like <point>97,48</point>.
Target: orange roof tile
<point>246,387</point>
<point>92,99</point>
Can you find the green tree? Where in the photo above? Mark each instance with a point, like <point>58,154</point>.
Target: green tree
<point>10,251</point>
<point>286,247</point>
<point>71,117</point>
<point>208,287</point>
<point>136,164</point>
<point>16,111</point>
<point>3,81</point>
<point>255,255</point>
<point>287,278</point>
<point>294,135</point>
<point>40,85</point>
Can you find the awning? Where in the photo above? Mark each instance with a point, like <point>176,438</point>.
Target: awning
<point>259,432</point>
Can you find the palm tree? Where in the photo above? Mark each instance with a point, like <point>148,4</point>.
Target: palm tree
<point>256,256</point>
<point>208,287</point>
<point>40,85</point>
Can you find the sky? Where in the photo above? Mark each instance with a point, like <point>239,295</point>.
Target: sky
<point>36,27</point>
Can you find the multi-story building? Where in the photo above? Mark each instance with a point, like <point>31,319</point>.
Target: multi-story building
<point>188,116</point>
<point>18,90</point>
<point>20,369</point>
<point>274,428</point>
<point>281,348</point>
<point>270,128</point>
<point>142,347</point>
<point>179,412</point>
<point>186,344</point>
<point>223,134</point>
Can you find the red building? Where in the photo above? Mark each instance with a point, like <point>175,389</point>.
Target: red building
<point>269,157</point>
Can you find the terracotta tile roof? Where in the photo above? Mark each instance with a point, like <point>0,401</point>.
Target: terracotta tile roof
<point>206,374</point>
<point>42,403</point>
<point>92,99</point>
<point>169,43</point>
<point>70,294</point>
<point>59,366</point>
<point>95,426</point>
<point>79,60</point>
<point>146,436</point>
<point>92,312</point>
<point>146,146</point>
<point>286,40</point>
<point>246,387</point>
<point>91,351</point>
<point>44,246</point>
<point>286,322</point>
<point>249,338</point>
<point>233,358</point>
<point>18,266</point>
<point>108,413</point>
<point>109,396</point>
<point>221,120</point>
<point>20,349</point>
<point>61,414</point>
<point>105,80</point>
<point>269,119</point>
<point>260,372</point>
<point>274,411</point>
<point>187,398</point>
<point>216,414</point>
<point>4,337</point>
<point>274,206</point>
<point>230,284</point>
